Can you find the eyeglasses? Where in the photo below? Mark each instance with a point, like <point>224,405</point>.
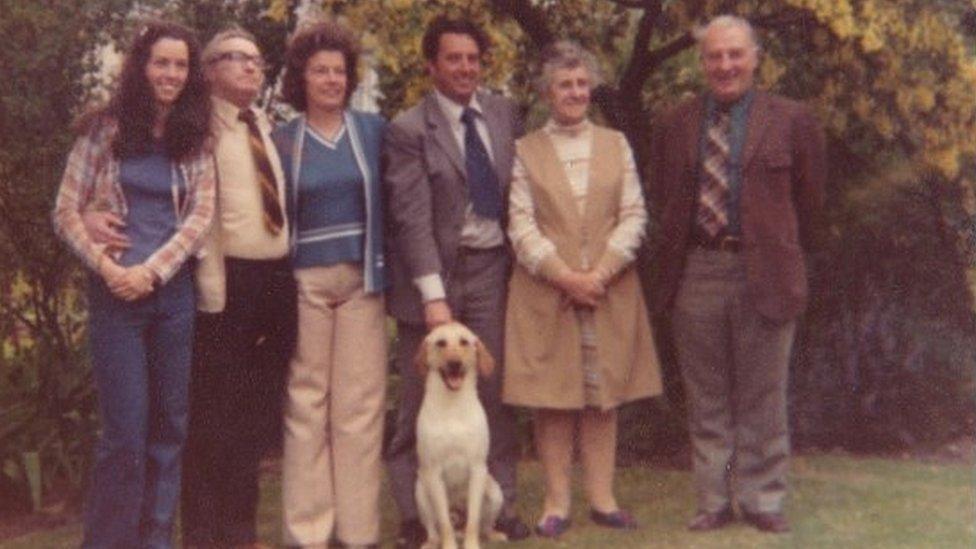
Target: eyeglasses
<point>240,57</point>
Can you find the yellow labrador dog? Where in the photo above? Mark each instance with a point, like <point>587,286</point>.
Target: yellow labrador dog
<point>452,439</point>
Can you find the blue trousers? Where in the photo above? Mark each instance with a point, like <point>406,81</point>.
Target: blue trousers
<point>141,362</point>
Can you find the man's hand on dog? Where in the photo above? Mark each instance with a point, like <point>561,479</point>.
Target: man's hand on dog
<point>437,312</point>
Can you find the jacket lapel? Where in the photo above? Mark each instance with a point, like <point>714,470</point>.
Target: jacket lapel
<point>440,128</point>
<point>496,134</point>
<point>759,118</point>
<point>693,135</point>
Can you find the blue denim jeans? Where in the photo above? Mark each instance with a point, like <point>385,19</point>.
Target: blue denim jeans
<point>141,362</point>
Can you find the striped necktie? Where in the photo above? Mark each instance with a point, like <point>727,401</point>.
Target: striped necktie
<point>273,216</point>
<point>713,216</point>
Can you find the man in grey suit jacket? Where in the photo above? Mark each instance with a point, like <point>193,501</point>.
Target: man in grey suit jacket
<point>448,162</point>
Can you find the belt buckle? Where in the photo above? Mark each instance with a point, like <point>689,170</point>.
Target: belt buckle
<point>728,244</point>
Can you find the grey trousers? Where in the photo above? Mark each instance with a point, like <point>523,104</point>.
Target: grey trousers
<point>735,364</point>
<point>477,295</point>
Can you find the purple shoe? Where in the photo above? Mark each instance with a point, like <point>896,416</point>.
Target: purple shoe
<point>552,526</point>
<point>621,520</point>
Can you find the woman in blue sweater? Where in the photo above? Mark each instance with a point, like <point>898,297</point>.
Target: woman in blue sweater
<point>336,388</point>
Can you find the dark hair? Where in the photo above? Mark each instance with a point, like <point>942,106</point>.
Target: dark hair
<point>133,105</point>
<point>443,24</point>
<point>326,36</point>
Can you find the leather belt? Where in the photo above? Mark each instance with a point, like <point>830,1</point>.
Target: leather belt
<point>479,251</point>
<point>722,244</point>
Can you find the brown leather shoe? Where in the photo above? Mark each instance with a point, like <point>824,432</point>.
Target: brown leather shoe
<point>775,523</point>
<point>705,521</point>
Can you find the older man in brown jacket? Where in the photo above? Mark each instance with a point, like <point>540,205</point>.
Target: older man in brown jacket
<point>737,181</point>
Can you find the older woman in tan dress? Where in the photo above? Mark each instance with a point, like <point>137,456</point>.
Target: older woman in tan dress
<point>578,342</point>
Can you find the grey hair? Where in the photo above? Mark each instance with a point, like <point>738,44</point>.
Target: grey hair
<point>210,50</point>
<point>726,22</point>
<point>565,54</point>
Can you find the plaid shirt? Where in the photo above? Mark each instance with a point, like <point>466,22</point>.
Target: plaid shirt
<point>91,182</point>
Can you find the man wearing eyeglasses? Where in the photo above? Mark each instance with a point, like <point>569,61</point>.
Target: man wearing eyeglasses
<point>246,302</point>
<point>245,320</point>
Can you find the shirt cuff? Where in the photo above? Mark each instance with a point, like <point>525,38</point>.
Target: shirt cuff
<point>612,262</point>
<point>552,267</point>
<point>431,287</point>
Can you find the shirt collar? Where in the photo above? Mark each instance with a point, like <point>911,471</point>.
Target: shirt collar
<point>735,109</point>
<point>225,111</point>
<point>453,110</point>
<point>572,130</point>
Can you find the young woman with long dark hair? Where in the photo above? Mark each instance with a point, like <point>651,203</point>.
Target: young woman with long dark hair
<point>143,158</point>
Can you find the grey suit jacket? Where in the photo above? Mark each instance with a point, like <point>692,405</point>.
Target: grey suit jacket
<point>427,194</point>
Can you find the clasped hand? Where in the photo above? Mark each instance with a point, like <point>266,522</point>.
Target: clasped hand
<point>583,288</point>
<point>127,283</point>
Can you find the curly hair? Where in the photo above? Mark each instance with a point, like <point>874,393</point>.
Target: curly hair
<point>133,104</point>
<point>443,24</point>
<point>325,36</point>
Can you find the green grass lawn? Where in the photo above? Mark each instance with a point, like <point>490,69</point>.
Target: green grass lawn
<point>836,501</point>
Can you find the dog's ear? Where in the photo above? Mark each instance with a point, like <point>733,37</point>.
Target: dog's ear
<point>486,364</point>
<point>420,359</point>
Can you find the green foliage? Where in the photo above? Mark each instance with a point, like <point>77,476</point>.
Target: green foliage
<point>45,399</point>
<point>210,17</point>
<point>886,357</point>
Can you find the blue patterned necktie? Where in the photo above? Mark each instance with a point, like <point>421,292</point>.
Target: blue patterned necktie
<point>486,197</point>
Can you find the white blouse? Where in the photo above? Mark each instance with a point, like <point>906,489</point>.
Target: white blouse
<point>573,146</point>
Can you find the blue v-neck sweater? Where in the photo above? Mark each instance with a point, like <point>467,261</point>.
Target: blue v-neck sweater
<point>334,197</point>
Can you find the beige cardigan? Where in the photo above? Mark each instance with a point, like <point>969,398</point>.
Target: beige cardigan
<point>543,363</point>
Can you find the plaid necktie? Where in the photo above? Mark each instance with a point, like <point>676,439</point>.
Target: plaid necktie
<point>713,192</point>
<point>486,198</point>
<point>273,216</point>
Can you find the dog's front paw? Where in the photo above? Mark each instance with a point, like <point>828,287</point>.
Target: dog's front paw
<point>472,543</point>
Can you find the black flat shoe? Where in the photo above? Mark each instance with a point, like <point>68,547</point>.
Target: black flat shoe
<point>552,527</point>
<point>621,520</point>
<point>513,528</point>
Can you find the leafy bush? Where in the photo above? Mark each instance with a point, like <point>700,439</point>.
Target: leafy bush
<point>885,357</point>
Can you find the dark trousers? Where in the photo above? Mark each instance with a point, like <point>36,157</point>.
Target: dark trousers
<point>477,299</point>
<point>239,364</point>
<point>141,364</point>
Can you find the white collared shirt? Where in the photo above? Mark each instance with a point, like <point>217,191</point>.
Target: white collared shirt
<point>240,212</point>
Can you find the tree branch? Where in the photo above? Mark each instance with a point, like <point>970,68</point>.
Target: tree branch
<point>632,80</point>
<point>531,18</point>
<point>635,4</point>
<point>781,19</point>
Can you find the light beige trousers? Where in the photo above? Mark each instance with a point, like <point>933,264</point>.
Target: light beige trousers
<point>334,412</point>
